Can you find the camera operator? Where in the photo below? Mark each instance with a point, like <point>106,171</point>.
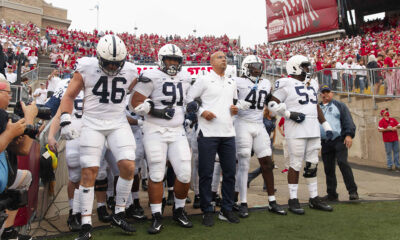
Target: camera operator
<point>13,142</point>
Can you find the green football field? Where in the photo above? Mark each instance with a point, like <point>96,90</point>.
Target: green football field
<point>365,220</point>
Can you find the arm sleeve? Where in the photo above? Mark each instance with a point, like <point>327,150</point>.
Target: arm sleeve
<point>346,121</point>
<point>280,90</point>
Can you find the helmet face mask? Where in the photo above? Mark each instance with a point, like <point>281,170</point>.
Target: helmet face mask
<point>252,67</point>
<point>111,68</point>
<point>255,70</point>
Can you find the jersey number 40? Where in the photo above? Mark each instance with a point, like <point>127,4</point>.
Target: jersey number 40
<point>101,89</point>
<point>252,98</point>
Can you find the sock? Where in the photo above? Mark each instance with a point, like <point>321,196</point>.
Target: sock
<point>312,185</point>
<point>100,204</point>
<point>135,195</point>
<point>271,198</point>
<point>130,200</point>
<point>179,203</point>
<point>293,190</point>
<point>71,203</point>
<point>123,189</point>
<point>76,207</point>
<point>155,208</point>
<point>86,197</point>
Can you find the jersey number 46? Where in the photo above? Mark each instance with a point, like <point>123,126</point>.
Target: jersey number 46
<point>101,89</point>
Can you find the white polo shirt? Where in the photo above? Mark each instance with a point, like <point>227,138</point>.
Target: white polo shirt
<point>217,94</point>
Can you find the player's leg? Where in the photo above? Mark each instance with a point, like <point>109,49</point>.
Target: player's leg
<point>74,176</point>
<point>100,190</point>
<point>244,142</point>
<point>262,149</point>
<point>296,149</point>
<point>156,154</point>
<point>170,184</point>
<point>313,146</point>
<point>91,147</point>
<point>179,157</point>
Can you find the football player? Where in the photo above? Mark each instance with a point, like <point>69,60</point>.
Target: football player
<point>105,81</point>
<point>72,158</point>
<point>295,98</point>
<point>251,133</point>
<point>159,96</point>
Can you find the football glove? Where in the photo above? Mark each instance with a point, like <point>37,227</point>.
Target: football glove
<point>328,130</point>
<point>193,106</point>
<point>144,108</point>
<point>243,105</point>
<point>165,113</point>
<point>295,116</point>
<point>277,108</point>
<point>67,132</point>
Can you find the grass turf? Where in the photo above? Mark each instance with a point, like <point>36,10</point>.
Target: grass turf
<point>365,220</point>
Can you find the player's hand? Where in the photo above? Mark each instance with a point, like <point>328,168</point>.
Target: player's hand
<point>168,113</point>
<point>53,145</point>
<point>243,105</point>
<point>144,108</point>
<point>193,106</point>
<point>348,141</point>
<point>16,129</point>
<point>234,110</point>
<point>208,115</point>
<point>67,132</point>
<point>297,117</point>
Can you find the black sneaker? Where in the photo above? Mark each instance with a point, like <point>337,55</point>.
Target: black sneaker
<point>243,210</point>
<point>170,199</point>
<point>208,219</point>
<point>103,215</point>
<point>330,198</point>
<point>85,234</point>
<point>318,203</point>
<point>73,222</point>
<point>181,217</point>
<point>196,203</point>
<point>11,233</point>
<point>353,196</point>
<point>135,211</point>
<point>119,220</point>
<point>235,207</point>
<point>228,216</point>
<point>275,208</point>
<point>144,185</point>
<point>188,200</point>
<point>111,203</point>
<point>294,206</point>
<point>156,224</point>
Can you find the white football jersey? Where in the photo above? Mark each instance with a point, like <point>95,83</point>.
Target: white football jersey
<point>78,102</point>
<point>299,97</point>
<point>165,90</point>
<point>254,94</point>
<point>104,96</point>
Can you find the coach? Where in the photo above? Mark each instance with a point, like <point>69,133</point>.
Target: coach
<point>216,135</point>
<point>336,148</point>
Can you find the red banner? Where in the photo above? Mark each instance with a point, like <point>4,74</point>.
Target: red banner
<point>294,18</point>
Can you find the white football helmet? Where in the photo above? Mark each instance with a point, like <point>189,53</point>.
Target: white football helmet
<point>170,51</point>
<point>111,50</point>
<point>252,67</point>
<point>297,65</point>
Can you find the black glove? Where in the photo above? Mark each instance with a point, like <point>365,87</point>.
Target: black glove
<point>165,113</point>
<point>297,117</point>
<point>193,106</point>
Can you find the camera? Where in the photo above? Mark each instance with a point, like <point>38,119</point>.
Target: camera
<point>30,130</point>
<point>43,112</point>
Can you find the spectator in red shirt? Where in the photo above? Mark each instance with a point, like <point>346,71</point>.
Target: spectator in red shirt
<point>388,126</point>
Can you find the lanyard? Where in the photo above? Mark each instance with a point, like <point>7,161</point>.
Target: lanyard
<point>255,87</point>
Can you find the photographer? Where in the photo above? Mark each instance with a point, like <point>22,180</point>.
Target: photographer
<point>14,143</point>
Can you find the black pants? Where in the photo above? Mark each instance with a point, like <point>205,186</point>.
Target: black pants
<point>333,151</point>
<point>208,149</point>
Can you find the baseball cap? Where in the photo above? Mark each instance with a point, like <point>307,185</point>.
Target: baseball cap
<point>325,88</point>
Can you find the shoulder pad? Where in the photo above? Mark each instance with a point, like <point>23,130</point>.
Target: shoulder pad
<point>144,79</point>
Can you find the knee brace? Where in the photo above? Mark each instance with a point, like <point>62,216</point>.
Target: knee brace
<point>101,185</point>
<point>310,170</point>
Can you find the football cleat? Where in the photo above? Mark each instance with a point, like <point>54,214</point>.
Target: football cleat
<point>243,210</point>
<point>85,234</point>
<point>275,208</point>
<point>103,215</point>
<point>156,224</point>
<point>73,222</point>
<point>318,203</point>
<point>181,217</point>
<point>294,206</point>
<point>111,203</point>
<point>119,220</point>
<point>135,211</point>
<point>196,203</point>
